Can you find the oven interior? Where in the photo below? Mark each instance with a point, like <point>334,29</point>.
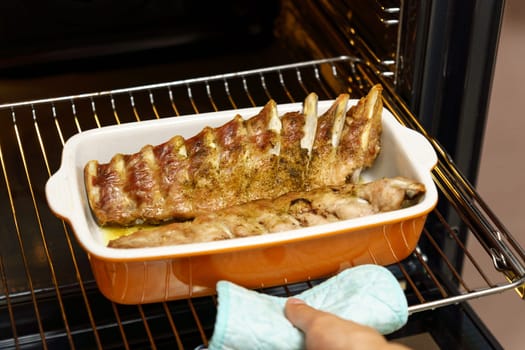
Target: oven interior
<point>48,298</point>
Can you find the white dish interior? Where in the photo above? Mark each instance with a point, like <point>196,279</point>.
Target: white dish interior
<point>404,153</point>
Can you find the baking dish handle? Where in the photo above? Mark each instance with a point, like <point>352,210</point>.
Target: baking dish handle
<point>58,194</point>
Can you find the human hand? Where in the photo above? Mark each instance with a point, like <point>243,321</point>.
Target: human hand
<point>324,330</point>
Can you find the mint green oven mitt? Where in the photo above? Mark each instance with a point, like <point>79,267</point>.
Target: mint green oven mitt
<point>366,294</point>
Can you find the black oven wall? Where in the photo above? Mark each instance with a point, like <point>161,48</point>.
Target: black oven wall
<point>36,32</point>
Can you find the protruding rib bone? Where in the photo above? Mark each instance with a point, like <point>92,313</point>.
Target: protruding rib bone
<point>323,156</point>
<point>275,125</point>
<point>339,119</point>
<point>310,125</point>
<point>373,106</point>
<point>361,136</point>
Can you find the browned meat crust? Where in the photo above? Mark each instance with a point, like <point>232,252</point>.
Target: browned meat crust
<point>290,211</point>
<point>240,161</point>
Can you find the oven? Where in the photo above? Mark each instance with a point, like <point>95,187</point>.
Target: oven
<point>61,75</point>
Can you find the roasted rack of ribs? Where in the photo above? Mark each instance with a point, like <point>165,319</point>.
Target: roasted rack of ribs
<point>262,157</point>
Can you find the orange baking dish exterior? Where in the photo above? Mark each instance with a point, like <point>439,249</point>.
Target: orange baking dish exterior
<point>131,282</point>
<point>145,275</point>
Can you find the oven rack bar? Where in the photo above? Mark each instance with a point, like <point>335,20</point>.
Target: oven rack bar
<point>44,272</point>
<point>184,82</point>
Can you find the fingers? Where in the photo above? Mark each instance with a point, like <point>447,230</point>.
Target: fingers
<point>301,315</point>
<point>324,330</point>
<point>318,327</point>
<point>298,313</point>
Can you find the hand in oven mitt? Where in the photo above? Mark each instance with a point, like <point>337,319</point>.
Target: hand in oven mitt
<point>366,294</point>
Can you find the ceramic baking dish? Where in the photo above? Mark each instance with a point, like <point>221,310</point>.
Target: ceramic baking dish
<point>146,275</point>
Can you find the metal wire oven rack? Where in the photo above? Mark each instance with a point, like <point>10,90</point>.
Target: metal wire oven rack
<point>47,294</point>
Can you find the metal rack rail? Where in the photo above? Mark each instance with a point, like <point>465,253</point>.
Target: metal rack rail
<point>47,294</point>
